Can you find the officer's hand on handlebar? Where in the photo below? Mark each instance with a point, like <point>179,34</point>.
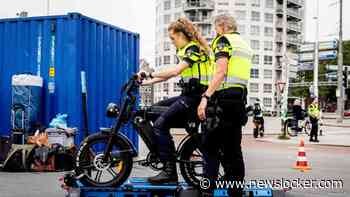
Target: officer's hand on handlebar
<point>141,75</point>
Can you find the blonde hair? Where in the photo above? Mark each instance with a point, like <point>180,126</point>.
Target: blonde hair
<point>227,22</point>
<point>185,26</point>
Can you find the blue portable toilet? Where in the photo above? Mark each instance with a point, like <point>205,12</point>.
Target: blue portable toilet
<point>26,92</point>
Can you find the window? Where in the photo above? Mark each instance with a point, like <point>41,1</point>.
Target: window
<point>205,30</point>
<point>165,87</point>
<point>223,3</point>
<point>269,3</point>
<point>268,18</point>
<point>268,31</point>
<point>268,60</point>
<point>268,45</point>
<point>165,32</point>
<point>254,30</point>
<point>255,59</point>
<point>222,11</point>
<point>267,74</point>
<point>255,16</point>
<point>177,87</point>
<point>267,88</point>
<point>166,46</point>
<point>254,87</point>
<point>254,44</point>
<point>240,2</point>
<point>167,5</point>
<point>240,14</point>
<point>160,61</point>
<point>252,100</point>
<point>255,3</point>
<point>167,18</point>
<point>241,29</point>
<point>254,73</point>
<point>267,102</point>
<point>177,15</point>
<point>178,3</point>
<point>167,59</point>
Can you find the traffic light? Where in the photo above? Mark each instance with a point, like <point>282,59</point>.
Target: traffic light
<point>345,77</point>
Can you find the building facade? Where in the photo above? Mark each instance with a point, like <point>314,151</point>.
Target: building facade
<point>146,92</point>
<point>259,22</point>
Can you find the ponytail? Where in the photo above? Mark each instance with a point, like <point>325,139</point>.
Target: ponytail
<point>190,31</point>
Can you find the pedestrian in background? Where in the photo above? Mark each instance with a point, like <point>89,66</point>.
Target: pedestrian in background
<point>314,114</point>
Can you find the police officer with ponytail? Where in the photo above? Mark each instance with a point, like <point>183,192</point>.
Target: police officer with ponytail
<point>194,64</point>
<point>222,107</point>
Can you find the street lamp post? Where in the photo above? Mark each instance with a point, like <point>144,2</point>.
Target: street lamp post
<point>316,51</point>
<point>48,8</point>
<point>340,100</point>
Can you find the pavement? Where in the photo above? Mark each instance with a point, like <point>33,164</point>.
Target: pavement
<point>334,134</point>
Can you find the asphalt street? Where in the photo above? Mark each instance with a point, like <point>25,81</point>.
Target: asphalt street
<point>264,161</point>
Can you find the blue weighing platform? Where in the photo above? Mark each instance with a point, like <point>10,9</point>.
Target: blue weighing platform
<point>139,187</point>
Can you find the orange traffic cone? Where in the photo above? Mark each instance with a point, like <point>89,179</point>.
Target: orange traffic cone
<point>302,163</point>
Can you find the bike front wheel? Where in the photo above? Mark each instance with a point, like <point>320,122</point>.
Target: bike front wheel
<point>288,128</point>
<point>96,169</point>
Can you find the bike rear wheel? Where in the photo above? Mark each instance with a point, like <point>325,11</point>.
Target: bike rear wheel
<point>95,169</point>
<point>192,163</point>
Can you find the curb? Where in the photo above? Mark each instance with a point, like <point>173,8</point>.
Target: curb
<point>335,125</point>
<point>334,145</point>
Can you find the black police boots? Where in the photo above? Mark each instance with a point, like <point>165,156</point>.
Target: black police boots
<point>168,175</point>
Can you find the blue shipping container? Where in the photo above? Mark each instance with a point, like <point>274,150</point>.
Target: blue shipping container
<point>58,48</point>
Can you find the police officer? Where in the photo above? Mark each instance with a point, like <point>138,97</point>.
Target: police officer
<point>194,64</point>
<point>228,90</point>
<point>314,114</point>
<point>258,118</point>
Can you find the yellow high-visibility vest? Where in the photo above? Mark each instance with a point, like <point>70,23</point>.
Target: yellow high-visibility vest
<point>239,63</point>
<point>200,69</point>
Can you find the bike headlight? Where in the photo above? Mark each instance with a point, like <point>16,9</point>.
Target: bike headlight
<point>112,110</point>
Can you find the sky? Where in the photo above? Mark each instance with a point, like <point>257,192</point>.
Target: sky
<point>139,16</point>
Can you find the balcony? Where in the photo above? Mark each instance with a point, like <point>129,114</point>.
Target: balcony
<point>292,27</point>
<point>278,51</point>
<point>292,14</point>
<point>293,3</point>
<point>279,24</point>
<point>278,66</point>
<point>278,37</point>
<point>201,5</point>
<point>292,40</point>
<point>279,10</point>
<point>200,19</point>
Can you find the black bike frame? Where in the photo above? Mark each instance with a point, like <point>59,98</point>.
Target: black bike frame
<point>124,115</point>
<point>129,101</point>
